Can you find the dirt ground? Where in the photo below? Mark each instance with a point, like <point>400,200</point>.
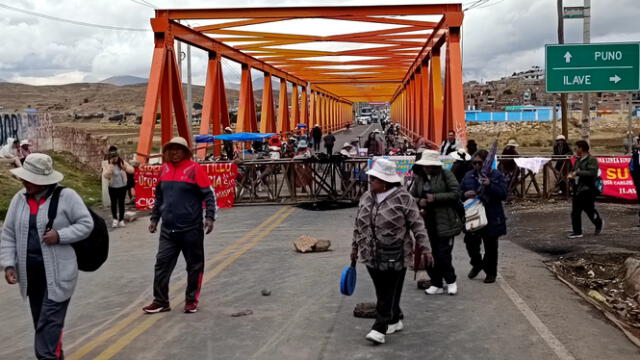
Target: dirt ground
<point>599,278</point>
<point>592,265</point>
<point>542,226</point>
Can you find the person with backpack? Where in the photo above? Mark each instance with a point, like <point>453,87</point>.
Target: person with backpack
<point>436,192</point>
<point>387,216</point>
<point>585,189</point>
<point>182,189</point>
<point>490,188</point>
<point>42,261</point>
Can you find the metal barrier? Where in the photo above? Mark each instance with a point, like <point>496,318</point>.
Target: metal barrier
<point>524,183</point>
<point>290,181</point>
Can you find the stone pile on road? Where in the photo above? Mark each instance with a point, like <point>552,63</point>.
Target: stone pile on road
<point>305,244</point>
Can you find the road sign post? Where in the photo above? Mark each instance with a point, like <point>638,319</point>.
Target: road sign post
<point>604,67</point>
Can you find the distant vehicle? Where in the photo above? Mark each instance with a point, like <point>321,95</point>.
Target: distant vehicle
<point>365,116</point>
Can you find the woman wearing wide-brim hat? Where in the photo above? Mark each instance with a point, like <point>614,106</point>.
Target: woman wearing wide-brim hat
<point>437,192</point>
<point>387,215</point>
<point>462,164</point>
<point>42,262</point>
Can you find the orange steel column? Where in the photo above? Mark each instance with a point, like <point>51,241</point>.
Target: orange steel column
<point>166,96</point>
<point>406,109</point>
<point>247,121</point>
<point>412,107</point>
<point>179,107</point>
<point>425,105</point>
<point>283,109</point>
<point>321,113</point>
<point>304,109</point>
<point>417,84</point>
<point>208,102</point>
<point>156,76</point>
<point>334,118</point>
<point>312,109</point>
<point>435,98</point>
<point>267,116</point>
<point>318,110</point>
<point>295,109</point>
<point>455,97</point>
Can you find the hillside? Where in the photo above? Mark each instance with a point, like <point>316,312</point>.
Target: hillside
<point>124,80</point>
<point>84,101</point>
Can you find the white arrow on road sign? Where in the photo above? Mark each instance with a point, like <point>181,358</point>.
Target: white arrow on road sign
<point>615,79</point>
<point>567,57</point>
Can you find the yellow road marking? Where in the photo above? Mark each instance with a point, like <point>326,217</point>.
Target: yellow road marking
<point>126,339</point>
<point>117,328</point>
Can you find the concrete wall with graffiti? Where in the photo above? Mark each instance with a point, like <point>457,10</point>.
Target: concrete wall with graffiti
<point>18,125</point>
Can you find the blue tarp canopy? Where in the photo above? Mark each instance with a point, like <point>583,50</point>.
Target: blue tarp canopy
<point>242,136</point>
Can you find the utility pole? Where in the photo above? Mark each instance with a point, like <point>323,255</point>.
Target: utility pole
<point>586,38</point>
<point>189,94</point>
<point>563,97</point>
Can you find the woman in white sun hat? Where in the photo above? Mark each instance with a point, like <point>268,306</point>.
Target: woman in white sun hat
<point>462,164</point>
<point>437,192</point>
<point>42,262</point>
<point>387,215</point>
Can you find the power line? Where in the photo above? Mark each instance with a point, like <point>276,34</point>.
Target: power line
<point>74,22</point>
<point>144,3</point>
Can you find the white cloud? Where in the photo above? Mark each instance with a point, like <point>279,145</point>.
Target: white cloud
<point>498,40</point>
<point>58,79</point>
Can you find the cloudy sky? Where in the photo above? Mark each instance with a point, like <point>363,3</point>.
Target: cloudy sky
<point>503,37</point>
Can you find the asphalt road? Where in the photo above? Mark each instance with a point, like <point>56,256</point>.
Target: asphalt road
<point>526,315</point>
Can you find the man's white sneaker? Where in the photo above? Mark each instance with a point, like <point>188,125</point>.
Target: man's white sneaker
<point>432,290</point>
<point>375,337</point>
<point>392,328</point>
<point>452,289</point>
<point>114,224</point>
<point>121,224</point>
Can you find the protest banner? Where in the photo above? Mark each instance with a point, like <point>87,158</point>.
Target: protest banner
<point>616,177</point>
<point>222,177</point>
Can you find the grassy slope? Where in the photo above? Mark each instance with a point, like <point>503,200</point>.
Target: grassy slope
<point>79,177</point>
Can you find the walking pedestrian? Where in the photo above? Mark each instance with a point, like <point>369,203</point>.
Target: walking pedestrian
<point>491,189</point>
<point>438,197</point>
<point>584,176</point>
<point>387,215</point>
<point>375,144</point>
<point>329,141</point>
<point>182,189</point>
<point>450,144</point>
<point>116,171</point>
<point>316,137</point>
<point>462,164</point>
<point>42,261</point>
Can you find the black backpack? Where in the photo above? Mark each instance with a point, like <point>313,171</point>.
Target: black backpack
<point>93,251</point>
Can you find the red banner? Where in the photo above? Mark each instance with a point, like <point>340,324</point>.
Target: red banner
<point>222,176</point>
<point>616,177</point>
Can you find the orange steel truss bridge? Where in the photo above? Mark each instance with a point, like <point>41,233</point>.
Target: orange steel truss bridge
<point>398,59</point>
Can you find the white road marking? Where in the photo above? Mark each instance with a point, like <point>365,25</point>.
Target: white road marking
<point>542,330</point>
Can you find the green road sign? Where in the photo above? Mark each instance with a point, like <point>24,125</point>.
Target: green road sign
<point>606,67</point>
